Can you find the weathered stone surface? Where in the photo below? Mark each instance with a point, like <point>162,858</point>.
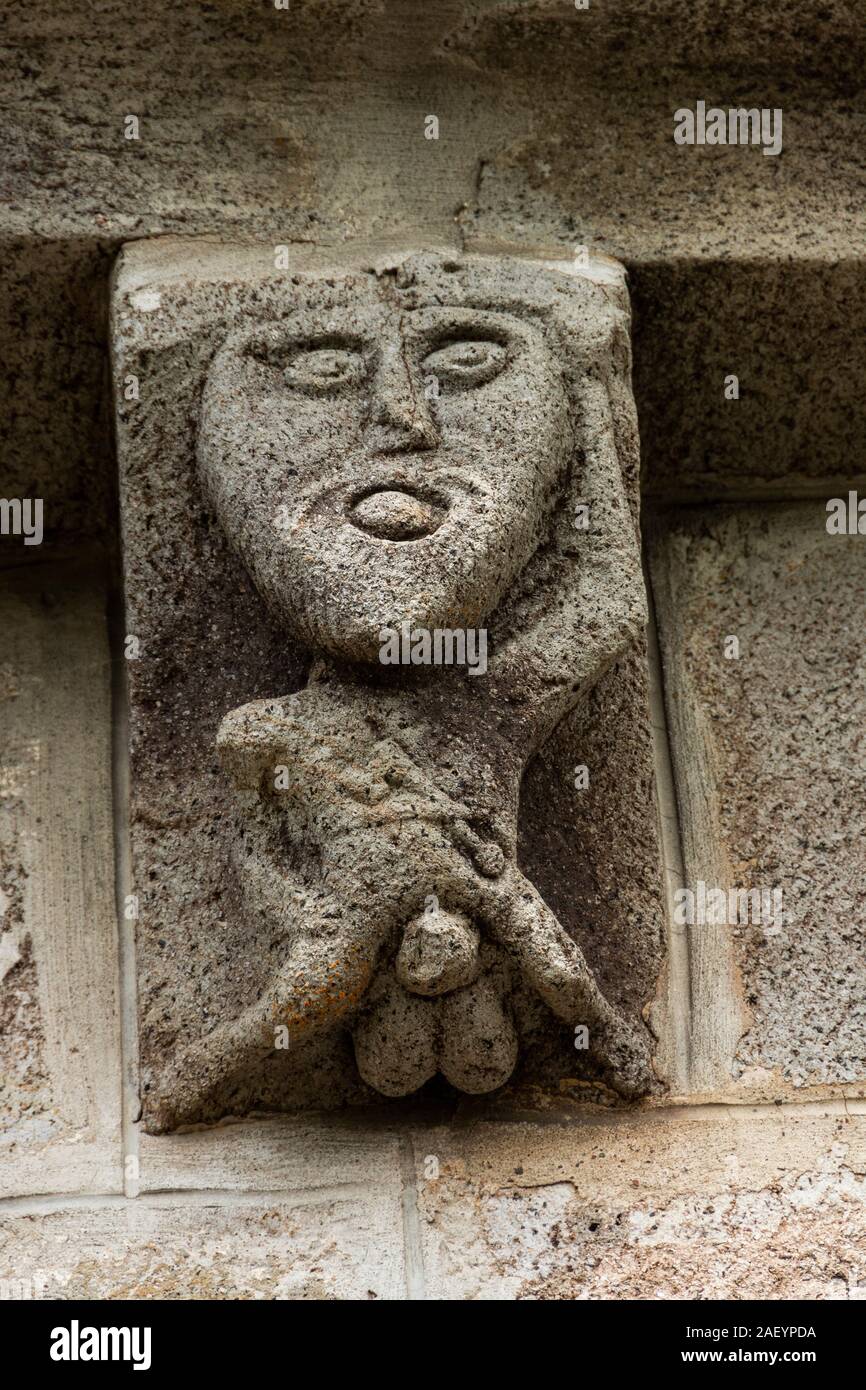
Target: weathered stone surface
<point>594,851</point>
<point>320,1245</point>
<point>768,751</point>
<point>59,1039</point>
<point>55,415</point>
<point>554,130</point>
<point>282,1154</point>
<point>317,875</point>
<point>738,263</point>
<point>599,164</point>
<point>549,87</point>
<point>801,413</point>
<point>712,1203</point>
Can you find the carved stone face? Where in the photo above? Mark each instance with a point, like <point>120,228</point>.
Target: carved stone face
<point>374,463</point>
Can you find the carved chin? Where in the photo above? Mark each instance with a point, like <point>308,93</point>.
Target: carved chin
<point>396,559</point>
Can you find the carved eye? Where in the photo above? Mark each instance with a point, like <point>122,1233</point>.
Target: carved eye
<point>468,363</point>
<point>319,370</point>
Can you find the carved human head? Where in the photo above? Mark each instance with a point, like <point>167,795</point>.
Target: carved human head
<point>389,448</point>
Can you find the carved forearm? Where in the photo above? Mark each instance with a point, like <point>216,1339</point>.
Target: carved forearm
<point>560,643</point>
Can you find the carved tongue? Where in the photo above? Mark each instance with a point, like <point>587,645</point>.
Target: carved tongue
<point>396,516</point>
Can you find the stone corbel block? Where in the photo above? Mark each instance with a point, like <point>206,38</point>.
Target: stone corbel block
<point>384,597</point>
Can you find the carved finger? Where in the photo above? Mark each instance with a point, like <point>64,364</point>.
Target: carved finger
<point>557,969</point>
<point>331,963</point>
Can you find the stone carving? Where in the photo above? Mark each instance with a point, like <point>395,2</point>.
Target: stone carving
<point>438,448</point>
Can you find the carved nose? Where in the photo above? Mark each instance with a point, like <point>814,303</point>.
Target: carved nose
<point>396,429</point>
<point>438,954</point>
<point>400,417</point>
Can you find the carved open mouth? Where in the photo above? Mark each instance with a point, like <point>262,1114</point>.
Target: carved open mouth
<point>396,513</point>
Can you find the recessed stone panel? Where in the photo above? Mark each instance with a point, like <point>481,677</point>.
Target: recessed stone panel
<point>59,1027</point>
<point>761,618</point>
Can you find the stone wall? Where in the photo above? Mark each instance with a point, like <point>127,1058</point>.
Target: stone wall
<point>742,1175</point>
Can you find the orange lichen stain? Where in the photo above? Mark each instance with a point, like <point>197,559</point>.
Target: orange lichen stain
<point>321,999</point>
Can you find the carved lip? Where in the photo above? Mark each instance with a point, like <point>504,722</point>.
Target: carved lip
<point>395,512</point>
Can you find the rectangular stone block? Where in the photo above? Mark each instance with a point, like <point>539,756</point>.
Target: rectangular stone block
<point>715,1202</point>
<point>319,1245</point>
<point>761,615</point>
<point>284,1154</point>
<point>60,1036</point>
